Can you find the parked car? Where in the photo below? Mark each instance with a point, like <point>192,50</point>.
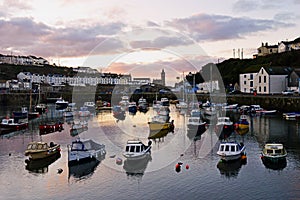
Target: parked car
<point>288,92</point>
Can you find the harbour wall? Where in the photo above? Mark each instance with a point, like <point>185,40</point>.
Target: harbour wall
<point>274,102</point>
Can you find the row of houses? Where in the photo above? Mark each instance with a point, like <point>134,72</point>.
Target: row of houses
<point>283,46</point>
<point>22,60</point>
<point>270,80</point>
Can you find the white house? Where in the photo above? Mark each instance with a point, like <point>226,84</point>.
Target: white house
<point>247,82</point>
<point>268,80</point>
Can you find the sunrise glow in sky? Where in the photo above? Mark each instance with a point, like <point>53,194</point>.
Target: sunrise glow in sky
<point>139,36</point>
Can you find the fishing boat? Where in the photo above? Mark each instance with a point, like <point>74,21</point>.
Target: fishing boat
<point>91,106</point>
<point>165,101</point>
<point>41,108</point>
<point>135,149</point>
<point>50,127</point>
<point>10,124</point>
<point>84,112</point>
<point>85,150</point>
<point>78,125</point>
<point>160,122</point>
<point>132,107</point>
<point>118,112</point>
<point>69,112</point>
<point>21,114</point>
<point>266,112</point>
<point>142,100</point>
<point>124,101</point>
<point>229,151</point>
<point>291,115</point>
<point>230,107</point>
<point>164,110</point>
<point>61,104</point>
<point>40,150</point>
<point>274,152</point>
<point>243,123</point>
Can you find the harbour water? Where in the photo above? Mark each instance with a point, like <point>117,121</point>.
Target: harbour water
<point>154,178</point>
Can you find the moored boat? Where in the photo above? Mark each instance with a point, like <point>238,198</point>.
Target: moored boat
<point>243,123</point>
<point>85,150</point>
<point>274,152</point>
<point>12,125</point>
<point>61,104</point>
<point>50,127</point>
<point>160,122</point>
<point>40,150</point>
<point>135,149</point>
<point>229,151</point>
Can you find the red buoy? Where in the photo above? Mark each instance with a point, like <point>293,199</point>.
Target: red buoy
<point>177,167</point>
<point>187,166</point>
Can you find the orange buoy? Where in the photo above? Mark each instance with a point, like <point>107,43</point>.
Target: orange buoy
<point>187,166</point>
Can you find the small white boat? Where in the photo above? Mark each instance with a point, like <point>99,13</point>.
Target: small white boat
<point>230,107</point>
<point>90,105</point>
<point>84,112</point>
<point>135,149</point>
<point>165,101</point>
<point>76,125</point>
<point>274,152</point>
<point>80,151</point>
<point>231,151</point>
<point>124,101</point>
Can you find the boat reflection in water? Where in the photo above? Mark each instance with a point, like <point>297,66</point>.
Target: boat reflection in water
<point>158,134</point>
<point>136,168</point>
<point>195,134</point>
<point>279,165</point>
<point>84,170</point>
<point>230,169</point>
<point>41,165</point>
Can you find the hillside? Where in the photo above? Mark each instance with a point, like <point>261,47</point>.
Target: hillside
<point>8,72</point>
<point>231,68</point>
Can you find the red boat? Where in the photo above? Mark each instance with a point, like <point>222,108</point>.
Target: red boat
<point>51,127</point>
<point>11,125</point>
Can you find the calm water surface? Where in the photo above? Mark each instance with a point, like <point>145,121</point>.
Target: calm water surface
<point>155,177</point>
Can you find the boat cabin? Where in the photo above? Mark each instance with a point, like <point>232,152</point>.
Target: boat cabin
<point>7,121</point>
<point>274,149</point>
<point>135,146</point>
<point>230,147</point>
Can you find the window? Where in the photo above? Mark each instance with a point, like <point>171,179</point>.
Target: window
<point>132,149</point>
<point>265,88</point>
<point>222,148</point>
<point>265,79</point>
<point>245,82</point>
<point>232,148</point>
<point>245,76</point>
<point>259,79</point>
<point>138,149</point>
<point>251,76</point>
<point>269,151</point>
<point>259,89</point>
<point>227,148</point>
<point>251,83</point>
<point>127,148</point>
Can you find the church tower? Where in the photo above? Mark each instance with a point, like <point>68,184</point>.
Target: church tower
<point>163,77</point>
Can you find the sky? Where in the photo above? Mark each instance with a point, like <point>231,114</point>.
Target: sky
<point>143,37</point>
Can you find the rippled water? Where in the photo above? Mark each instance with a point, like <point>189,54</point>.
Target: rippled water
<point>155,177</point>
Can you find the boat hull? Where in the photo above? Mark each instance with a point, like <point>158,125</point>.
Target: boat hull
<point>41,154</point>
<point>159,126</point>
